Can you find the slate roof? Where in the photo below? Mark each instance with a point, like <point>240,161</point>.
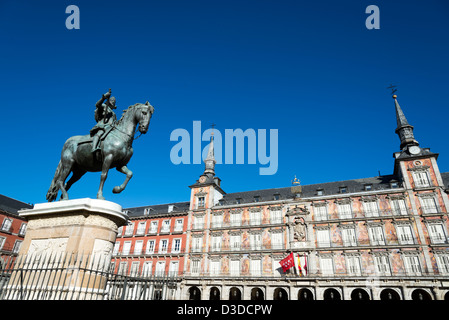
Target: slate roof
<point>328,188</point>
<point>11,205</point>
<point>158,209</point>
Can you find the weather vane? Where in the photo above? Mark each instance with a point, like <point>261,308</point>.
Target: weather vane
<point>393,89</point>
<point>212,126</point>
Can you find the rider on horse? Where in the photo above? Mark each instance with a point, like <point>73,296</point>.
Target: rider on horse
<point>105,117</point>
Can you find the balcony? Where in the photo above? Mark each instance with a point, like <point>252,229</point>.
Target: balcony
<point>431,210</point>
<point>363,214</point>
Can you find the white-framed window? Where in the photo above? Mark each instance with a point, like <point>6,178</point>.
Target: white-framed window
<point>436,232</point>
<point>349,237</point>
<point>399,207</point>
<point>153,227</point>
<point>173,269</point>
<point>22,230</point>
<point>179,223</point>
<point>405,235</point>
<point>119,231</point>
<point>129,229</point>
<point>176,246</point>
<point>320,212</point>
<point>344,210</point>
<point>163,245</point>
<point>17,245</point>
<point>215,267</point>
<point>276,216</point>
<point>421,179</point>
<point>150,246</point>
<point>276,240</point>
<point>201,202</point>
<point>216,242</point>
<point>195,267</point>
<point>123,267</point>
<point>255,218</point>
<point>141,228</point>
<point>197,244</point>
<point>165,226</point>
<point>198,222</point>
<point>134,268</point>
<point>326,265</point>
<point>376,235</point>
<point>235,242</point>
<point>236,219</point>
<point>323,238</point>
<point>429,205</point>
<point>234,267</point>
<point>382,264</point>
<point>443,263</point>
<point>147,268</point>
<point>353,265</point>
<point>114,251</point>
<point>6,225</point>
<point>138,247</point>
<point>126,247</point>
<point>412,265</point>
<point>160,268</point>
<point>371,208</point>
<point>255,240</point>
<point>217,220</point>
<point>256,267</point>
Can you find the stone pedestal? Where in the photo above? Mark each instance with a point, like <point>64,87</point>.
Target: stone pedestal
<point>72,241</point>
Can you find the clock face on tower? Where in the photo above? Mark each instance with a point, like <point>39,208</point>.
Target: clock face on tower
<point>202,179</point>
<point>414,150</point>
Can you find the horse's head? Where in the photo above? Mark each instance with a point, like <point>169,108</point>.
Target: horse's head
<point>143,116</point>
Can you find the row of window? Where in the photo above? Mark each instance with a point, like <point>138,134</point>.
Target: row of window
<point>382,264</point>
<point>15,249</point>
<point>236,267</point>
<point>371,209</point>
<point>152,229</point>
<point>163,247</point>
<point>235,220</point>
<point>146,269</point>
<point>376,233</point>
<point>7,224</point>
<point>353,267</point>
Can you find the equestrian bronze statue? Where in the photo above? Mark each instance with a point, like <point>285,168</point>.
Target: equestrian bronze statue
<point>109,145</point>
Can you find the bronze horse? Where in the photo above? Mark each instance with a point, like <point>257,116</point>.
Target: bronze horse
<point>116,151</point>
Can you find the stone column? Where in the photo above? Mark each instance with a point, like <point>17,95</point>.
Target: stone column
<point>72,241</point>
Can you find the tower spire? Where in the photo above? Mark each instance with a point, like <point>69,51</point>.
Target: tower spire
<point>404,130</point>
<point>210,159</point>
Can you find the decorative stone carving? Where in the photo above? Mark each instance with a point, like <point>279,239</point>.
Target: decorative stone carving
<point>299,229</point>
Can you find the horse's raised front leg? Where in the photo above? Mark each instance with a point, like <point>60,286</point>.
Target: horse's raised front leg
<point>129,175</point>
<point>104,174</point>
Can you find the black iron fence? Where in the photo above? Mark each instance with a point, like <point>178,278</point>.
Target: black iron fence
<point>78,277</point>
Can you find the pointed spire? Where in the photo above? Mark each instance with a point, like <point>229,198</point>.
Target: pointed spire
<point>210,159</point>
<point>400,117</point>
<point>404,130</point>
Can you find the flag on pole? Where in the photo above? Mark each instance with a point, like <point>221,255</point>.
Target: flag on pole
<point>305,264</point>
<point>287,262</point>
<point>299,266</point>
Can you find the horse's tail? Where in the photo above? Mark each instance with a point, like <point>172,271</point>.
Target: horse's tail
<point>52,192</point>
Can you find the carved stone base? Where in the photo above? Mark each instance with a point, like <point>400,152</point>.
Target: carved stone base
<point>84,226</point>
<point>69,237</point>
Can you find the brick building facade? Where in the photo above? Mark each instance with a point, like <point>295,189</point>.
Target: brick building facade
<point>376,238</point>
<point>12,227</point>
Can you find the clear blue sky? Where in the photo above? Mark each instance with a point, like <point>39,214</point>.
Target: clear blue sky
<point>310,69</point>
